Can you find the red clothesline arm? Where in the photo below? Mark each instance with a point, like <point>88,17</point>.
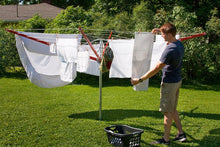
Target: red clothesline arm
<point>92,58</point>
<point>192,36</point>
<point>87,39</point>
<point>26,36</point>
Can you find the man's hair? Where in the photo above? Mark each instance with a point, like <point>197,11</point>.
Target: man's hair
<point>168,28</point>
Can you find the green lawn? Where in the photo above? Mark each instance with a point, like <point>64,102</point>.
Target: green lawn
<point>68,116</point>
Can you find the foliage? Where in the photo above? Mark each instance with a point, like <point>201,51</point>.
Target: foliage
<point>85,4</point>
<point>8,52</point>
<point>36,22</point>
<point>102,21</point>
<point>213,26</point>
<point>213,30</point>
<point>184,21</point>
<point>142,17</point>
<point>114,7</point>
<point>71,18</point>
<point>161,17</point>
<point>196,61</point>
<point>200,8</point>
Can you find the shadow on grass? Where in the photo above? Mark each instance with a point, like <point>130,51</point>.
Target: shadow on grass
<point>120,114</point>
<point>213,138</point>
<point>14,75</point>
<point>117,114</point>
<point>85,79</point>
<point>200,115</point>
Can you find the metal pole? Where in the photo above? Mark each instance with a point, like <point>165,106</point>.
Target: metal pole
<point>100,84</point>
<point>17,8</point>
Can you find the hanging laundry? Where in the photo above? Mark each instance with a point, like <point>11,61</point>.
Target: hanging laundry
<point>67,50</point>
<point>83,59</point>
<point>143,46</point>
<point>106,60</point>
<point>123,52</point>
<point>34,46</point>
<point>43,68</point>
<point>85,64</point>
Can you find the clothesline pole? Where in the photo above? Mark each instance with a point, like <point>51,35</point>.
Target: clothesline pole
<point>100,84</point>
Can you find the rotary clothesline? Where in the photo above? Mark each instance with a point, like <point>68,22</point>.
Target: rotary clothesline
<point>136,52</point>
<point>122,71</point>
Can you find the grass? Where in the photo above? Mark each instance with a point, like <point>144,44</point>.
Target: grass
<point>68,116</point>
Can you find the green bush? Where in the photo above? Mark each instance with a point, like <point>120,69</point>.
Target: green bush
<point>142,17</point>
<point>69,20</point>
<point>34,24</point>
<point>8,52</point>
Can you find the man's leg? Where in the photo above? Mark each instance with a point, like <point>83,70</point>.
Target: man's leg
<point>168,117</point>
<point>177,122</point>
<point>180,134</point>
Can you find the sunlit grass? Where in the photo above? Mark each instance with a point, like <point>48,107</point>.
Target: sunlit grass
<point>69,115</point>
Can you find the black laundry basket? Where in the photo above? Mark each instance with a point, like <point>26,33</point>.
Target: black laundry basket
<point>123,135</point>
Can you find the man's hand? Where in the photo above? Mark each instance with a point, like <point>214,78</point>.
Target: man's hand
<point>155,30</point>
<point>134,81</point>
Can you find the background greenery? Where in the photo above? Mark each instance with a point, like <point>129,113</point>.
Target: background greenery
<point>124,17</point>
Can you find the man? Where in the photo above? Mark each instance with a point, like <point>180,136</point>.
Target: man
<point>170,62</point>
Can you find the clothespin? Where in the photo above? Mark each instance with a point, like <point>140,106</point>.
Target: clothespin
<point>112,38</point>
<point>139,30</point>
<point>57,36</point>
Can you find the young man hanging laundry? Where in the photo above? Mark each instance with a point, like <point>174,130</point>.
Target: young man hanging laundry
<point>170,62</point>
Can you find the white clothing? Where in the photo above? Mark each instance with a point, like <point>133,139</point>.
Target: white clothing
<point>43,68</point>
<point>123,52</point>
<point>67,50</point>
<point>143,46</point>
<point>85,64</point>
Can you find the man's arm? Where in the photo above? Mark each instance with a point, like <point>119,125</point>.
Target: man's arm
<point>149,74</point>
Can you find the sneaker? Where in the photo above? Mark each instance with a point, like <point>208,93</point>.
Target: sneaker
<point>161,141</point>
<point>180,138</point>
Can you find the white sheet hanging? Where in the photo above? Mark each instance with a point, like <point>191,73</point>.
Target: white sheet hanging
<point>51,38</point>
<point>67,50</point>
<point>142,53</point>
<point>44,68</point>
<point>86,65</point>
<point>123,52</point>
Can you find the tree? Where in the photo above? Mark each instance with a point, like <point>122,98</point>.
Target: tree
<point>36,22</point>
<point>213,30</point>
<point>142,16</point>
<point>184,21</point>
<point>113,7</point>
<point>8,53</point>
<point>70,19</point>
<point>85,4</point>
